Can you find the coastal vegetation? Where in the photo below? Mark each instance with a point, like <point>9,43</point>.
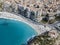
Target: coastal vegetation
<point>45,19</point>
<point>57,18</point>
<point>51,21</point>
<point>45,39</point>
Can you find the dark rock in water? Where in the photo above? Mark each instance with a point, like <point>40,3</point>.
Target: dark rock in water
<point>3,22</point>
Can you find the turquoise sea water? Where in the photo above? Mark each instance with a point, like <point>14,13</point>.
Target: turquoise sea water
<point>14,32</point>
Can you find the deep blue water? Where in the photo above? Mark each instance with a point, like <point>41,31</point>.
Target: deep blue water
<point>14,32</point>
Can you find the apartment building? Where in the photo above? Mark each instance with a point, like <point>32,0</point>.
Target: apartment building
<point>39,7</point>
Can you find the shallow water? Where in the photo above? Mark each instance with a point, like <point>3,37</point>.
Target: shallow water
<point>14,32</point>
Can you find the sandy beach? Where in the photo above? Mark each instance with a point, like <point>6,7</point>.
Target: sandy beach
<point>19,18</point>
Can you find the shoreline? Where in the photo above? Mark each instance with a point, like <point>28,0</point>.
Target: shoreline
<point>39,28</point>
<point>19,18</point>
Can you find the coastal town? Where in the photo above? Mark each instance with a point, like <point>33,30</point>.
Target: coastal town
<point>42,15</point>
